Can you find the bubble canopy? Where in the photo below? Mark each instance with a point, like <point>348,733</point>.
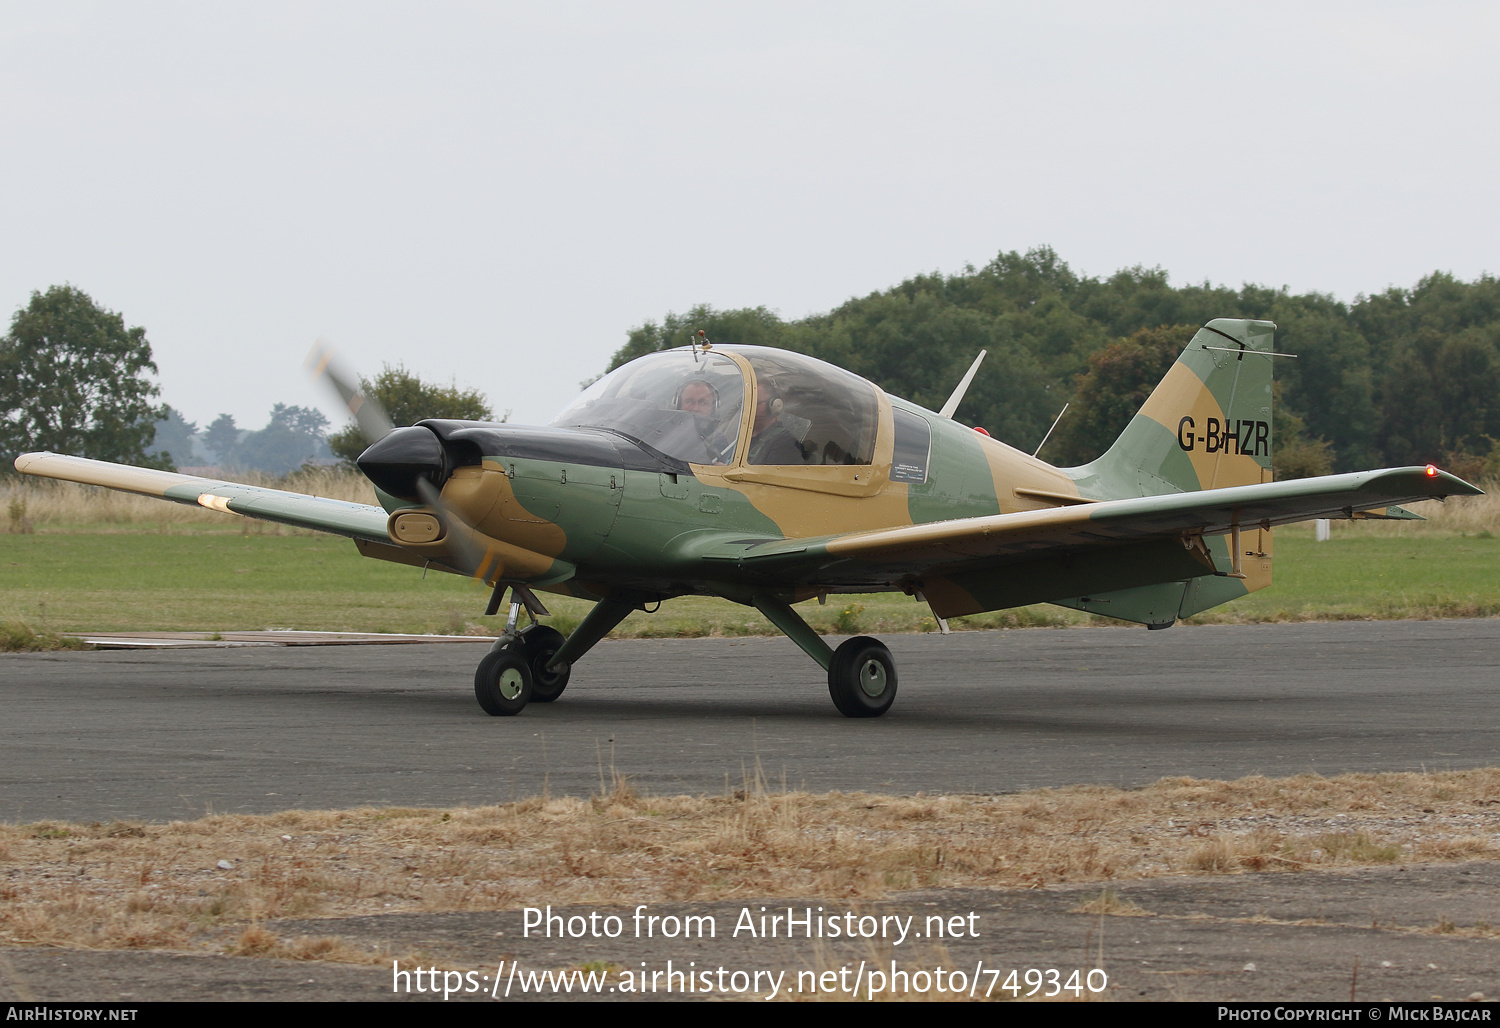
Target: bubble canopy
<point>687,406</point>
<point>682,405</point>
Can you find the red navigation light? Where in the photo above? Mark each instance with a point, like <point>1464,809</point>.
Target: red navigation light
<point>980,430</point>
<point>1431,471</point>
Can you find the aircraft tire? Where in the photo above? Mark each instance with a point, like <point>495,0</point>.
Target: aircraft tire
<point>502,684</point>
<point>538,643</point>
<point>862,678</point>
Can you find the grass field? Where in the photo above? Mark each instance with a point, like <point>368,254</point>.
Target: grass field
<point>211,882</point>
<point>77,559</point>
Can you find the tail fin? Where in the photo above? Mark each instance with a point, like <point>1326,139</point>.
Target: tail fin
<point>1206,426</point>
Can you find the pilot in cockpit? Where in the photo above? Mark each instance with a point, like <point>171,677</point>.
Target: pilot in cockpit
<point>699,398</point>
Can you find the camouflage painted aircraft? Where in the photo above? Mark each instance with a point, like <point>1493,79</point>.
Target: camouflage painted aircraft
<point>769,478</point>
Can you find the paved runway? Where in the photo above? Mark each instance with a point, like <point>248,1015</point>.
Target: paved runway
<point>173,734</point>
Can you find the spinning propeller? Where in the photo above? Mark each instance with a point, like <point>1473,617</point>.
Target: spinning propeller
<point>410,463</point>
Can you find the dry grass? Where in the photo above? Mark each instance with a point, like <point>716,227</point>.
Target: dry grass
<point>1480,930</point>
<point>258,941</point>
<point>1111,903</point>
<point>161,885</point>
<point>33,503</point>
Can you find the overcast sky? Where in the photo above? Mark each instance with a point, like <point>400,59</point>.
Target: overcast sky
<point>496,193</point>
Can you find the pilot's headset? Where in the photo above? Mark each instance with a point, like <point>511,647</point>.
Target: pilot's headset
<point>771,394</point>
<point>677,398</point>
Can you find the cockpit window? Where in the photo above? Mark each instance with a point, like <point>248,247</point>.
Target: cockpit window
<point>808,412</point>
<point>682,404</point>
<point>913,447</point>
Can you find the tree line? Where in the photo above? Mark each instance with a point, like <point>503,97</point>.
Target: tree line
<point>1400,377</point>
<point>1404,376</point>
<point>74,379</point>
<point>295,437</point>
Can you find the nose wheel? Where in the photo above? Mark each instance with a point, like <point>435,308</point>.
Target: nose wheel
<point>502,684</point>
<point>516,673</point>
<point>862,678</point>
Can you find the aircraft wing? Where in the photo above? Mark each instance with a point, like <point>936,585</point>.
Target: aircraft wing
<point>355,520</point>
<point>955,546</point>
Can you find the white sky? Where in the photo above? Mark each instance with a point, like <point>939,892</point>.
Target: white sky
<point>496,193</point>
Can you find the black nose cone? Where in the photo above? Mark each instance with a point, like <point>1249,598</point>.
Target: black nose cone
<point>395,462</point>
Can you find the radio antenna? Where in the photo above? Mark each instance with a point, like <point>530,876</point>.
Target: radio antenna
<point>1049,431</point>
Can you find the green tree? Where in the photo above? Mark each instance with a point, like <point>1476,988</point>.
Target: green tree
<point>73,379</point>
<point>407,399</point>
<point>307,420</point>
<point>1120,378</point>
<point>752,326</point>
<point>292,437</point>
<point>1330,383</point>
<point>176,437</point>
<point>221,437</point>
<point>1295,454</point>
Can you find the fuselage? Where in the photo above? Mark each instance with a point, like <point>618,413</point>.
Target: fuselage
<point>627,488</point>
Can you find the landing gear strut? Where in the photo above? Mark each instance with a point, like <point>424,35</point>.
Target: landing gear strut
<point>861,673</point>
<point>534,663</point>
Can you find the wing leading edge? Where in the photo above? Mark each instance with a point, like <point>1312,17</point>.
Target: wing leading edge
<point>340,517</point>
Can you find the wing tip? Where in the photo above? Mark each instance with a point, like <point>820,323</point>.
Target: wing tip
<point>1436,475</point>
<point>26,460</point>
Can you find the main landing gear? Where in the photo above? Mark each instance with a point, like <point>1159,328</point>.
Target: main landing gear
<point>862,678</point>
<point>861,673</point>
<point>532,665</point>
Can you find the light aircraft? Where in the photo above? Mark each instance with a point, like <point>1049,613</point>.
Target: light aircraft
<point>769,478</point>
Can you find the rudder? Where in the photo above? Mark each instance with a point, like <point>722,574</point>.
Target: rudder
<point>1207,425</point>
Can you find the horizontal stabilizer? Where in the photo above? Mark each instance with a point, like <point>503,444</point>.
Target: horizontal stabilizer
<point>1391,513</point>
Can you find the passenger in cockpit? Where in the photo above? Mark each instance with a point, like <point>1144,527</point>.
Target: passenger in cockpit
<point>770,442</point>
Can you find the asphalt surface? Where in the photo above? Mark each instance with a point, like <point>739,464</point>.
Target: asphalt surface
<point>176,733</point>
<point>162,735</point>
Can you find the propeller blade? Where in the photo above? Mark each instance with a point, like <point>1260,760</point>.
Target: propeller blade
<point>368,414</point>
<point>375,424</point>
<point>473,559</point>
